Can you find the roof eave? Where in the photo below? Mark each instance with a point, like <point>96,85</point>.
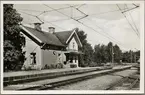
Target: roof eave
<point>31,36</point>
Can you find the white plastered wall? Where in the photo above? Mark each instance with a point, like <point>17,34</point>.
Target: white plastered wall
<point>30,47</point>
<point>52,57</point>
<point>70,45</point>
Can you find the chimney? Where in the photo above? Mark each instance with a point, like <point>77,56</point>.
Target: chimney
<point>51,29</point>
<point>37,26</point>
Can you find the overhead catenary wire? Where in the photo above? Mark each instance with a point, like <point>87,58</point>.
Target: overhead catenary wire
<point>74,17</point>
<point>130,9</point>
<point>70,7</point>
<point>110,37</point>
<point>127,20</point>
<point>105,32</point>
<point>133,20</point>
<point>26,13</point>
<point>29,10</point>
<point>94,23</point>
<point>55,20</point>
<point>36,16</point>
<point>39,19</point>
<point>135,5</point>
<point>54,25</point>
<point>59,12</point>
<point>43,21</point>
<point>81,23</point>
<point>89,15</point>
<point>81,5</point>
<point>105,12</point>
<point>81,17</point>
<point>55,9</point>
<point>102,34</point>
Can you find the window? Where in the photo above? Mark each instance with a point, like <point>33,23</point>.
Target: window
<point>73,45</point>
<point>33,58</point>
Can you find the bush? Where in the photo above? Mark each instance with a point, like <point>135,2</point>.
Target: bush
<point>73,65</point>
<point>52,66</point>
<point>27,68</point>
<point>93,64</point>
<point>59,65</point>
<point>46,67</point>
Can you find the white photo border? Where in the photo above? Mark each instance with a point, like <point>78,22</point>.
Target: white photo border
<point>141,91</point>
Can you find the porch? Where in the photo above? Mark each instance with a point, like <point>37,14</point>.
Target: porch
<point>72,58</point>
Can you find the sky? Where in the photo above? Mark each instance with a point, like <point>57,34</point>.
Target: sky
<point>104,22</point>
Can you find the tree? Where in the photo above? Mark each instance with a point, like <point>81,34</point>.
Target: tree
<point>105,53</point>
<point>117,54</point>
<point>87,57</point>
<point>136,56</point>
<point>100,54</point>
<point>109,51</point>
<point>97,53</point>
<point>126,57</point>
<point>13,39</point>
<point>88,54</point>
<point>130,56</point>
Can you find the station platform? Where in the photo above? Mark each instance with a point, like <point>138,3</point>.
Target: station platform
<point>59,78</point>
<point>28,76</point>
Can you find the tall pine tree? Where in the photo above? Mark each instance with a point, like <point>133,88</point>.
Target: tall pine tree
<point>13,39</point>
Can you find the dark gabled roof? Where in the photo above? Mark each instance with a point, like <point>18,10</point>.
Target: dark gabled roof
<point>45,37</point>
<point>57,39</point>
<point>63,36</point>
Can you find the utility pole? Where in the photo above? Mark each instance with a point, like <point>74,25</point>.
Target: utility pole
<point>112,55</point>
<point>135,55</point>
<point>131,57</point>
<point>135,58</point>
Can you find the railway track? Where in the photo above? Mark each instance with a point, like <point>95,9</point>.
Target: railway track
<point>64,80</point>
<point>52,85</point>
<point>126,83</point>
<point>42,76</point>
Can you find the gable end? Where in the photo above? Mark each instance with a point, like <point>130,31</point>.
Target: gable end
<point>75,35</point>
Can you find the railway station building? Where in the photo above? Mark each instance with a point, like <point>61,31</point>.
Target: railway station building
<point>44,48</point>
